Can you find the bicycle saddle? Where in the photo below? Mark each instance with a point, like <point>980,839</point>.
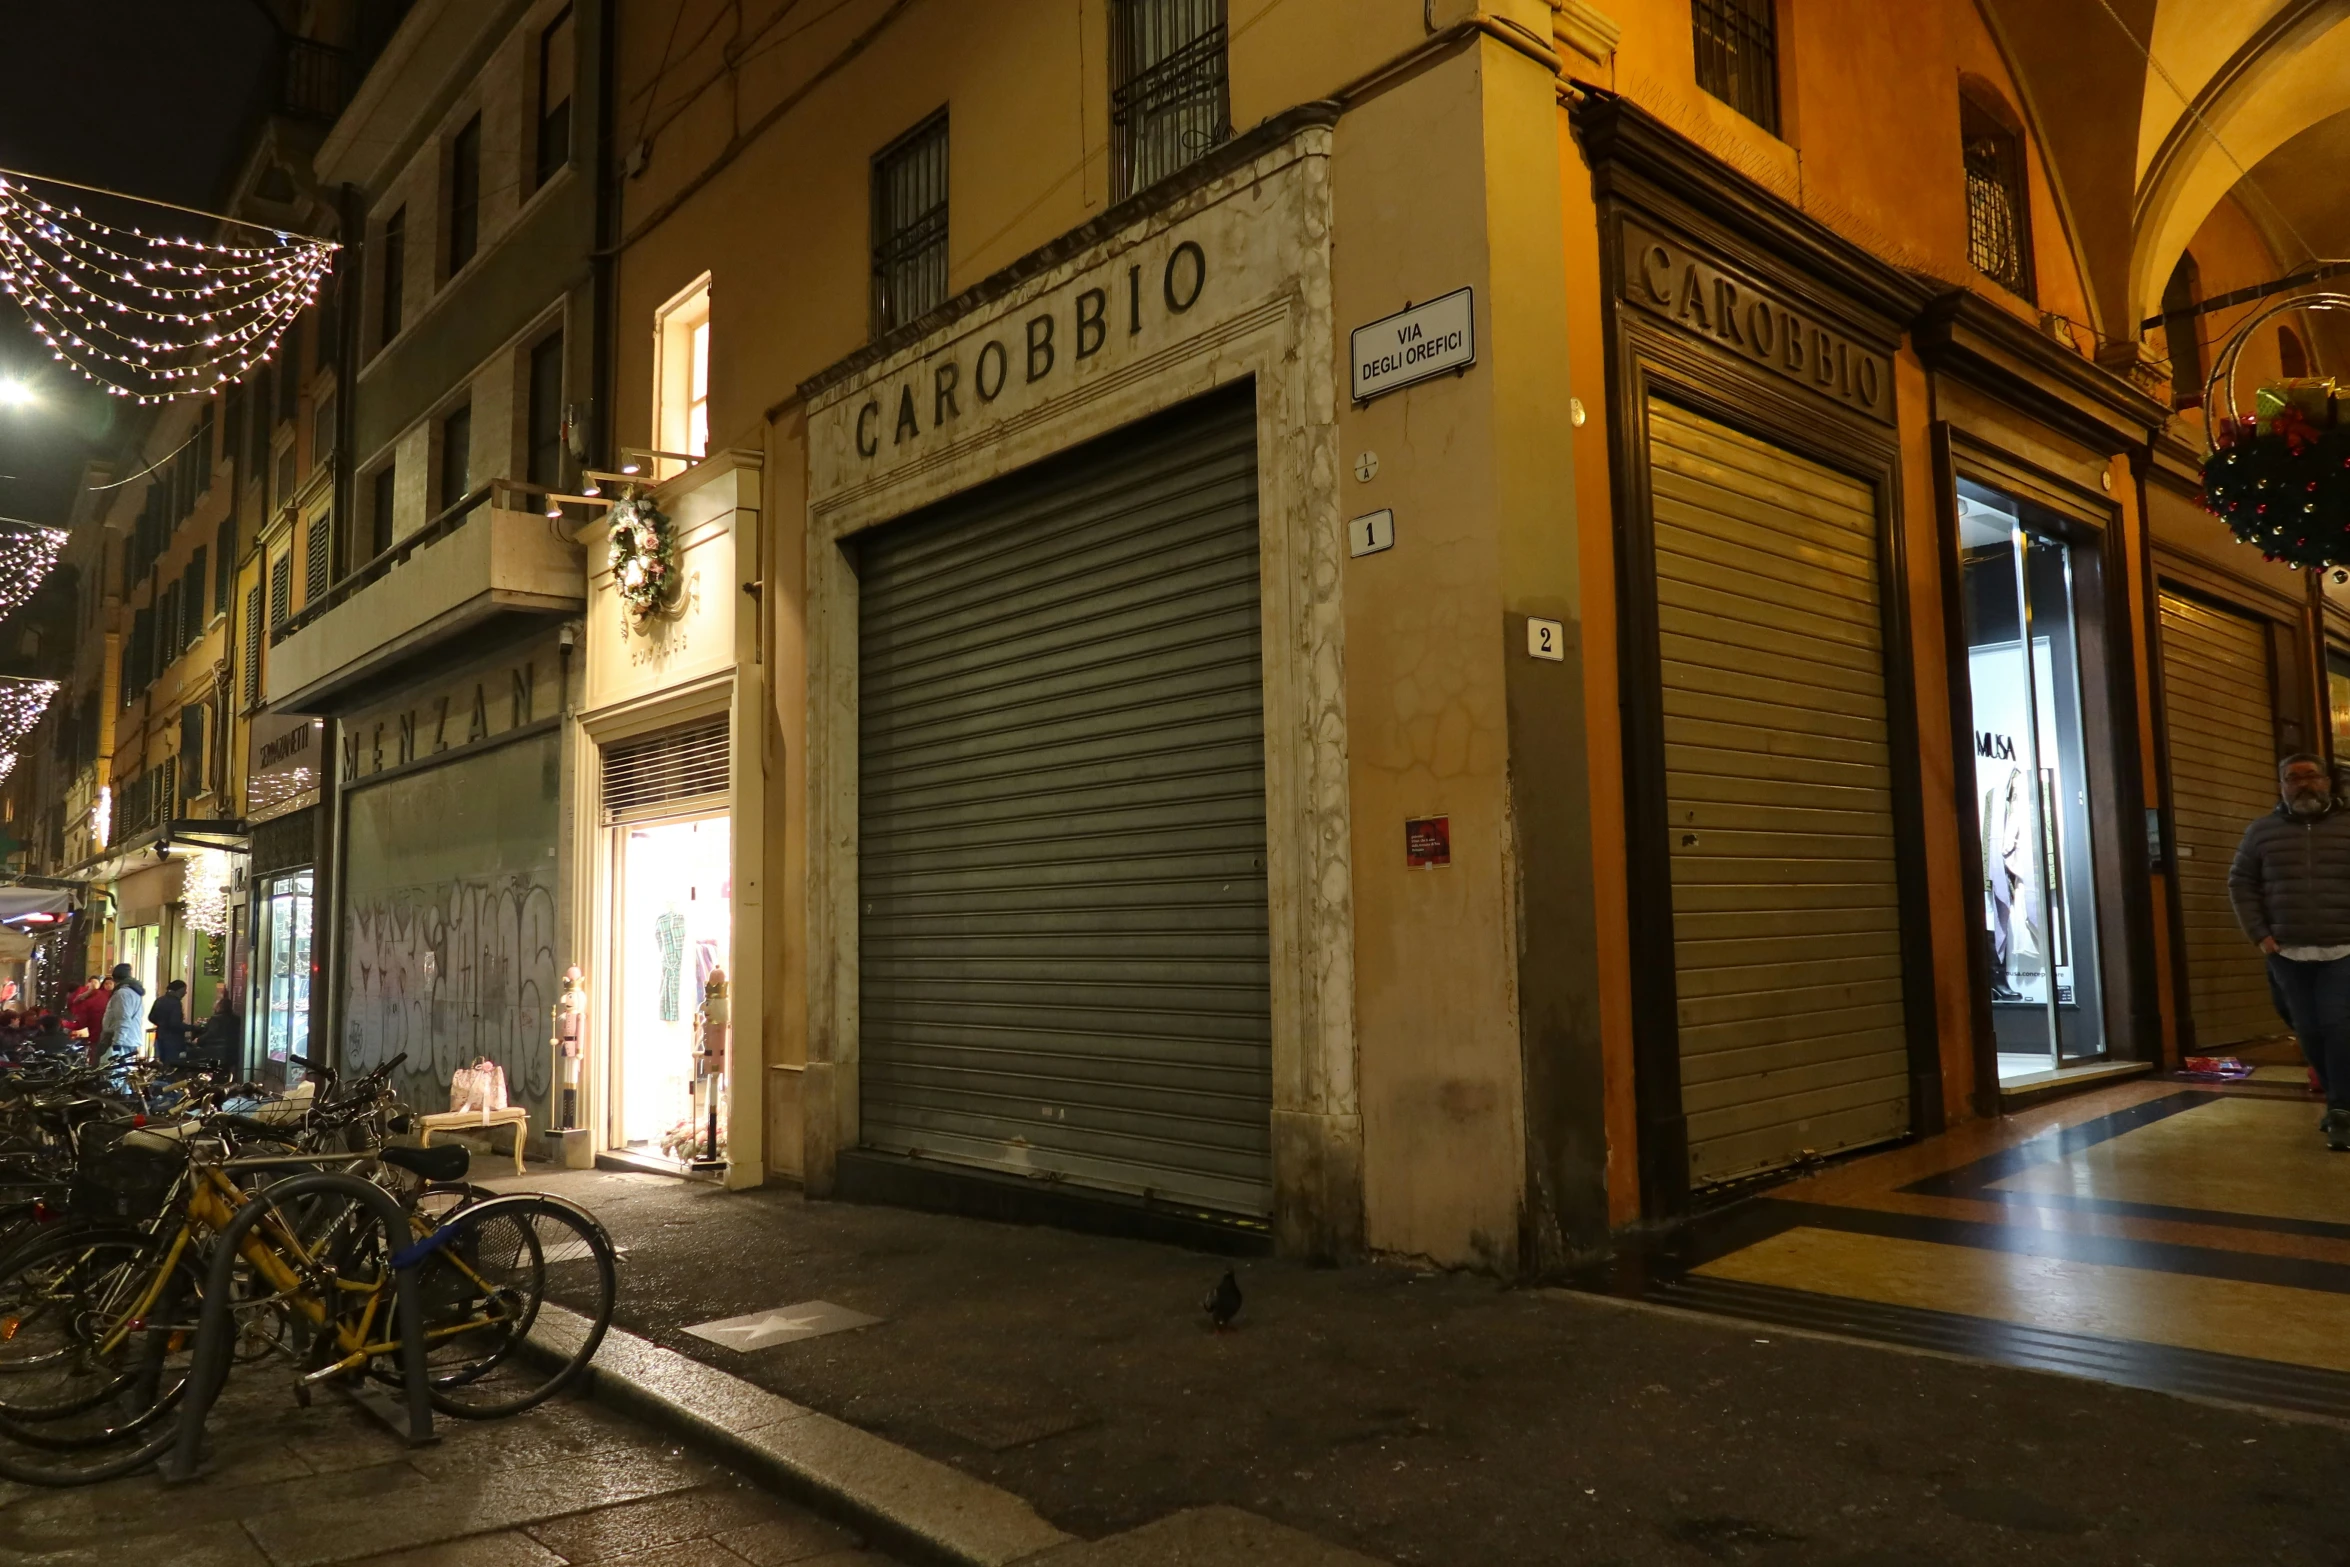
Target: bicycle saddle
<point>448,1162</point>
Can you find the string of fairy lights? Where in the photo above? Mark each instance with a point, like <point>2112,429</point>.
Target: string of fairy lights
<point>149,316</point>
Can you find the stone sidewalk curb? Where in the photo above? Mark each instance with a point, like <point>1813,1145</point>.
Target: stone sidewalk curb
<point>910,1505</point>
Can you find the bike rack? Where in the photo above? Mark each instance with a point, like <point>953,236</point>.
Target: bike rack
<point>216,1330</point>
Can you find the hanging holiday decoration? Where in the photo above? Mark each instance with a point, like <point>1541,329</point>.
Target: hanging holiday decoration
<point>2279,476</point>
<point>26,554</point>
<point>643,556</point>
<point>22,702</point>
<point>204,892</point>
<point>7,764</point>
<point>151,316</point>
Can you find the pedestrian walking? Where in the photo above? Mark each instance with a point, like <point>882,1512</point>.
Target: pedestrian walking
<point>2290,884</point>
<point>125,1024</point>
<point>86,1007</point>
<point>170,1017</point>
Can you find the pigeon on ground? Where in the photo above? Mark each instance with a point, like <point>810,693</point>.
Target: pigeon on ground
<point>1222,1303</point>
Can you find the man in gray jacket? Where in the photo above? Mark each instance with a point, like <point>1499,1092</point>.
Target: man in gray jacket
<point>124,1028</point>
<point>2291,887</point>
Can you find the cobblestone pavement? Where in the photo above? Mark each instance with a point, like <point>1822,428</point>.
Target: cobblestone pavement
<point>289,1487</point>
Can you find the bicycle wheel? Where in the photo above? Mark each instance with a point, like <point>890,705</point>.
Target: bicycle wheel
<point>484,1285</point>
<point>95,1341</point>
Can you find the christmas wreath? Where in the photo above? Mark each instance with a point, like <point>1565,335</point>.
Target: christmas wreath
<point>643,555</point>
<point>2281,479</point>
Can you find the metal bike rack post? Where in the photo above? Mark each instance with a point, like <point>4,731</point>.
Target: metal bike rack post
<point>216,1333</point>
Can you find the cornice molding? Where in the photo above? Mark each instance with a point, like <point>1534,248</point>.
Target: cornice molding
<point>1963,336</point>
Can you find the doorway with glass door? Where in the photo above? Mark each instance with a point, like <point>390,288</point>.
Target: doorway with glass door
<point>2025,583</point>
<point>674,894</point>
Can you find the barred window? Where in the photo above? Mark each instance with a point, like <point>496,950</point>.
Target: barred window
<point>1170,98</point>
<point>1738,56</point>
<point>910,226</point>
<point>1998,215</point>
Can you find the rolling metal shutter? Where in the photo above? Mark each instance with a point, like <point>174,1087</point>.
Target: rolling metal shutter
<point>1786,905</point>
<point>1064,938</point>
<point>675,771</point>
<point>2223,761</point>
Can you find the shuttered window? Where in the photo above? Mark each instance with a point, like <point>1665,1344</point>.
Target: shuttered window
<point>1063,935</point>
<point>255,635</point>
<point>1778,780</point>
<point>678,769</point>
<point>2223,774</point>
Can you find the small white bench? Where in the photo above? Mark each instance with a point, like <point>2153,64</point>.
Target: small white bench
<point>478,1121</point>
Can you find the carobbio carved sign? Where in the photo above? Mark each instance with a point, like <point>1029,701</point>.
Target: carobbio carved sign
<point>1702,297</point>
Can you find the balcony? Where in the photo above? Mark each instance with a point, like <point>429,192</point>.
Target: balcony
<point>492,558</point>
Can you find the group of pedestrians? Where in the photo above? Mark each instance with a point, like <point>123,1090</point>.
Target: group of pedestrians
<point>110,1017</point>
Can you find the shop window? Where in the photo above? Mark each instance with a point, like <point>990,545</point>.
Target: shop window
<point>2182,334</point>
<point>910,226</point>
<point>464,195</point>
<point>681,372</point>
<point>2292,358</point>
<point>1738,56</point>
<point>392,251</point>
<point>545,461</point>
<point>456,455</point>
<point>556,53</point>
<point>1170,94</point>
<point>1998,211</point>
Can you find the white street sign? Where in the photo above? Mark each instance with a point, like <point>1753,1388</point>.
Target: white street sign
<point>1412,345</point>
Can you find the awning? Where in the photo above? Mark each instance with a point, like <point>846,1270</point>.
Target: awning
<point>31,903</point>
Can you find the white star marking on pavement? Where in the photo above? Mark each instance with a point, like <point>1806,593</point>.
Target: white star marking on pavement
<point>773,1328</point>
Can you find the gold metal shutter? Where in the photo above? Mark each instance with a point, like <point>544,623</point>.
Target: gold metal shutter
<point>2223,760</point>
<point>1064,943</point>
<point>1778,783</point>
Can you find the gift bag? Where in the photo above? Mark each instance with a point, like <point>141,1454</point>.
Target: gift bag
<point>479,1087</point>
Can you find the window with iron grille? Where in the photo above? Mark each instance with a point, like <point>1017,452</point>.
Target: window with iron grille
<point>281,590</point>
<point>317,557</point>
<point>910,226</point>
<point>464,194</point>
<point>1170,93</point>
<point>253,641</point>
<point>1738,56</point>
<point>1998,215</point>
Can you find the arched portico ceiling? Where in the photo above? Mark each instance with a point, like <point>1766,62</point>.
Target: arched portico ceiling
<point>2134,172</point>
<point>2258,73</point>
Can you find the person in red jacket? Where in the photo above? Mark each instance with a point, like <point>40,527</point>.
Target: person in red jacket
<point>85,1007</point>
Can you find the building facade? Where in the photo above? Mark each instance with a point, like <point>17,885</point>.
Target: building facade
<point>1382,627</point>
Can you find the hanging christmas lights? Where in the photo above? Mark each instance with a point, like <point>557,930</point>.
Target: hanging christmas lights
<point>26,554</point>
<point>7,764</point>
<point>204,892</point>
<point>22,702</point>
<point>151,316</point>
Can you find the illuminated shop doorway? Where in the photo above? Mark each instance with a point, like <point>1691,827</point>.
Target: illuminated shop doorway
<point>672,928</point>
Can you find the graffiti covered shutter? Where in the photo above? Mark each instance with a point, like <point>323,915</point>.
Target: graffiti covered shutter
<point>448,934</point>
